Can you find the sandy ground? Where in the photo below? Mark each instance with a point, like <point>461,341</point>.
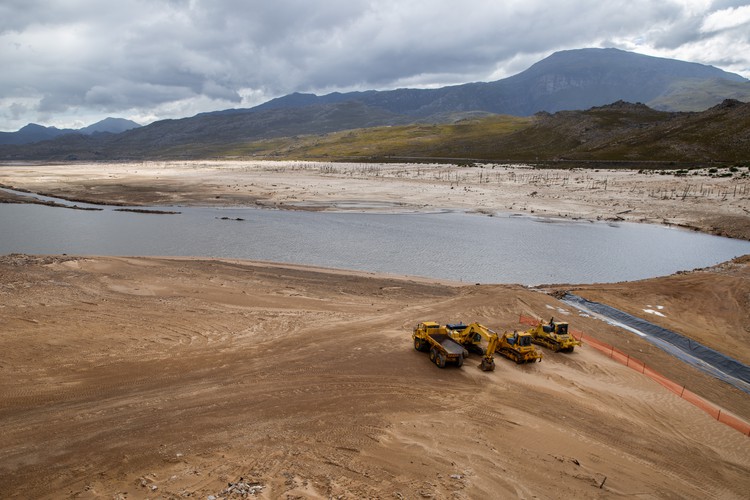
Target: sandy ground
<point>719,205</point>
<point>172,378</point>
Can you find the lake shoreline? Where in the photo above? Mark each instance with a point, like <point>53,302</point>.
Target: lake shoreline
<point>704,203</point>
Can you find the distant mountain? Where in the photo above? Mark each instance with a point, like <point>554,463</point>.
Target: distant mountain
<point>621,133</point>
<point>206,133</point>
<point>32,133</point>
<point>111,125</point>
<point>618,134</point>
<point>568,80</point>
<point>35,133</point>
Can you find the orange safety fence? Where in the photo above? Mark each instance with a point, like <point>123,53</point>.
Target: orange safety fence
<point>711,409</point>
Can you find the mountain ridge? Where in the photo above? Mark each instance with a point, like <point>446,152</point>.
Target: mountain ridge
<point>572,79</point>
<point>565,81</point>
<point>33,132</point>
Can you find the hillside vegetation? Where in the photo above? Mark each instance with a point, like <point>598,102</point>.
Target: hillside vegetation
<point>620,132</point>
<point>465,138</point>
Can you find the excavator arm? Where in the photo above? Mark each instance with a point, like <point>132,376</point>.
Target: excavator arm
<point>488,361</point>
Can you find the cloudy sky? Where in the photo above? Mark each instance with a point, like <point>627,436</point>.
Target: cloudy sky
<point>70,63</point>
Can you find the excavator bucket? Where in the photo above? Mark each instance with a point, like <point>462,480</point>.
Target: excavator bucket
<point>487,365</point>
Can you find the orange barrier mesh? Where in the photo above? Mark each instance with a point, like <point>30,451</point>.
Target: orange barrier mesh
<point>527,320</point>
<point>701,403</point>
<point>636,364</point>
<point>734,422</point>
<point>599,346</point>
<point>621,357</point>
<point>664,381</point>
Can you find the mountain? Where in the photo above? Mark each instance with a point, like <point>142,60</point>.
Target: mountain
<point>206,133</point>
<point>568,80</point>
<point>32,133</point>
<point>35,133</point>
<point>111,125</point>
<point>625,132</point>
<point>616,134</point>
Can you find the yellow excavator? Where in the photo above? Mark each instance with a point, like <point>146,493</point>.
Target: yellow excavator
<point>472,336</point>
<point>515,346</point>
<point>488,360</point>
<point>553,335</point>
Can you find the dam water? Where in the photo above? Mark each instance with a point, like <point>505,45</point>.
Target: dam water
<point>505,248</point>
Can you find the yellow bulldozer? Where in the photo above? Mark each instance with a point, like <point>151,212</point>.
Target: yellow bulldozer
<point>515,346</point>
<point>518,347</point>
<point>553,335</point>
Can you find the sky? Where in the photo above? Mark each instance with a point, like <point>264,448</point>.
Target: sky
<point>71,63</point>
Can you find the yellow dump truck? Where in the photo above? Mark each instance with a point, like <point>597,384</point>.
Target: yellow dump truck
<point>553,335</point>
<point>430,337</point>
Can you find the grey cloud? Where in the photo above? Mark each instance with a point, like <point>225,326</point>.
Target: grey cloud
<point>142,55</point>
<point>125,94</point>
<point>17,110</point>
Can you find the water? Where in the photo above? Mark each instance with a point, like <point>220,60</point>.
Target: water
<point>451,245</point>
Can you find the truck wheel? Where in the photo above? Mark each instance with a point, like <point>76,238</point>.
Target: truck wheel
<point>433,355</point>
<point>418,344</point>
<point>460,361</point>
<point>440,360</point>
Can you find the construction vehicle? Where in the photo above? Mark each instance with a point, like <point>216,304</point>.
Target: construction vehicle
<point>479,339</point>
<point>488,359</point>
<point>474,337</point>
<point>518,347</point>
<point>430,336</point>
<point>554,335</point>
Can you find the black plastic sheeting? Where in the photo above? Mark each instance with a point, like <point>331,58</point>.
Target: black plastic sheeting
<point>704,358</point>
